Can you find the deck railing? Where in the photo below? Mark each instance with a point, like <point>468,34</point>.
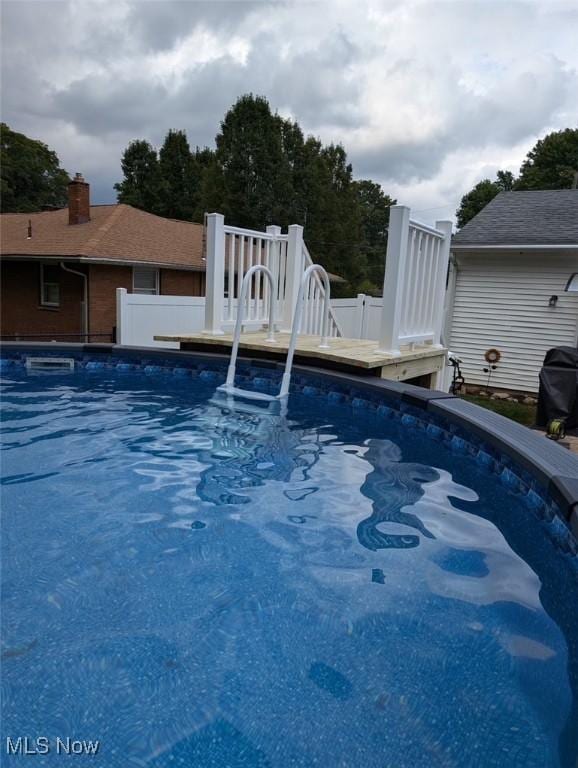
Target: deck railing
<point>312,318</point>
<point>245,249</point>
<point>414,285</point>
<point>232,251</point>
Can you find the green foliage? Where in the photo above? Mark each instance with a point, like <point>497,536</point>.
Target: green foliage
<point>264,171</point>
<point>374,211</point>
<point>180,177</point>
<point>473,202</point>
<point>333,220</point>
<point>212,190</point>
<point>552,163</point>
<point>255,170</point>
<point>505,181</point>
<point>523,414</point>
<point>141,184</point>
<point>32,178</point>
<point>484,191</point>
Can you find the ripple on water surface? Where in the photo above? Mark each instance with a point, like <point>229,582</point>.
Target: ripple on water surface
<point>193,585</point>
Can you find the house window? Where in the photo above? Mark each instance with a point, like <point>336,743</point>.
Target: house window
<point>145,280</point>
<point>49,285</point>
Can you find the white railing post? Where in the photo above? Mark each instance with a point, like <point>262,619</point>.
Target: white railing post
<point>215,279</point>
<point>121,326</point>
<point>395,270</point>
<point>361,316</point>
<point>293,274</point>
<point>439,291</point>
<point>274,259</point>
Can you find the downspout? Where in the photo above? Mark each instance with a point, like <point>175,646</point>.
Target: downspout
<point>84,297</point>
<point>449,300</point>
<point>444,380</point>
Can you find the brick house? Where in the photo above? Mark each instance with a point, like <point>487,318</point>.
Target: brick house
<point>60,269</point>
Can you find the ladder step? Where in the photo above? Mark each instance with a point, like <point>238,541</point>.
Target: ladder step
<point>249,394</point>
<point>243,404</point>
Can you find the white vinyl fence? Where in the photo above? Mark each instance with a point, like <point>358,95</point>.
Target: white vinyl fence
<point>140,317</point>
<point>360,317</point>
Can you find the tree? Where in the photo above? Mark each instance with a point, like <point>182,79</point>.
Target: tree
<point>484,191</point>
<point>180,177</point>
<point>32,178</point>
<point>212,190</point>
<point>332,216</point>
<point>374,207</point>
<point>476,199</point>
<point>552,163</point>
<point>264,171</point>
<point>505,180</point>
<point>255,173</point>
<point>141,184</point>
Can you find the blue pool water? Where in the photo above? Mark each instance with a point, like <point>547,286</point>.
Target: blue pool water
<point>195,586</point>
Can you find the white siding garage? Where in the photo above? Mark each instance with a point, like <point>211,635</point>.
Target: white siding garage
<point>502,302</point>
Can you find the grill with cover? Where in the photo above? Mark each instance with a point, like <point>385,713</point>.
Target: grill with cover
<point>558,395</point>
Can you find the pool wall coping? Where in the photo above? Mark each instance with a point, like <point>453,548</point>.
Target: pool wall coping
<point>555,467</point>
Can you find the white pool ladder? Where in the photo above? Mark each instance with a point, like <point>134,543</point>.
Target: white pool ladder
<point>229,385</point>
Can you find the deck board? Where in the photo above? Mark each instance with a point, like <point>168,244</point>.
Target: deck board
<point>360,353</point>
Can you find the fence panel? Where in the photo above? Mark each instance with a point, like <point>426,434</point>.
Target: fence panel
<point>359,317</point>
<point>141,317</point>
<point>349,315</point>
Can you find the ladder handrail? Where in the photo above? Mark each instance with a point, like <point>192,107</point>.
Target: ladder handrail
<point>332,318</point>
<point>229,385</point>
<point>297,315</point>
<point>240,316</point>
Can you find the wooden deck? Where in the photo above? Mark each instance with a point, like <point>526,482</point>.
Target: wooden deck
<point>422,360</point>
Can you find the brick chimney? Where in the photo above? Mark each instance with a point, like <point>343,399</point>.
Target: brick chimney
<point>78,200</point>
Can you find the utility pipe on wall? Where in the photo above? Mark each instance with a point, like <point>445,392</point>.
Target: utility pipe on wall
<point>449,300</point>
<point>84,297</point>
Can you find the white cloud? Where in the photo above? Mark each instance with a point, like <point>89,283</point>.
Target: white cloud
<point>427,97</point>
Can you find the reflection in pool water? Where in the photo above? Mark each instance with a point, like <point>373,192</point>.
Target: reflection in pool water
<point>195,585</point>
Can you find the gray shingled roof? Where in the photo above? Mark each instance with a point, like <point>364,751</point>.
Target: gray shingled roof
<point>542,217</point>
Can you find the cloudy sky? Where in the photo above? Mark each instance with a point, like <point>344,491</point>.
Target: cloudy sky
<point>427,97</point>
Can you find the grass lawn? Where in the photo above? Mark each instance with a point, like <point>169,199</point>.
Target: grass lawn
<point>523,414</point>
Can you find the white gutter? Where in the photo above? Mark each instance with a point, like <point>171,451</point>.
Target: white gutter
<point>90,260</point>
<point>84,297</point>
<point>474,247</point>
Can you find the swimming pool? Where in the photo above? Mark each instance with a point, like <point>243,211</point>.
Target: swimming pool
<point>356,583</point>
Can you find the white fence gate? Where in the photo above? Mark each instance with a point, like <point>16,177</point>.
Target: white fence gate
<point>360,317</point>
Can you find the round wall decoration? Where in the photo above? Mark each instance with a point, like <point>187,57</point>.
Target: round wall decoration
<point>492,355</point>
